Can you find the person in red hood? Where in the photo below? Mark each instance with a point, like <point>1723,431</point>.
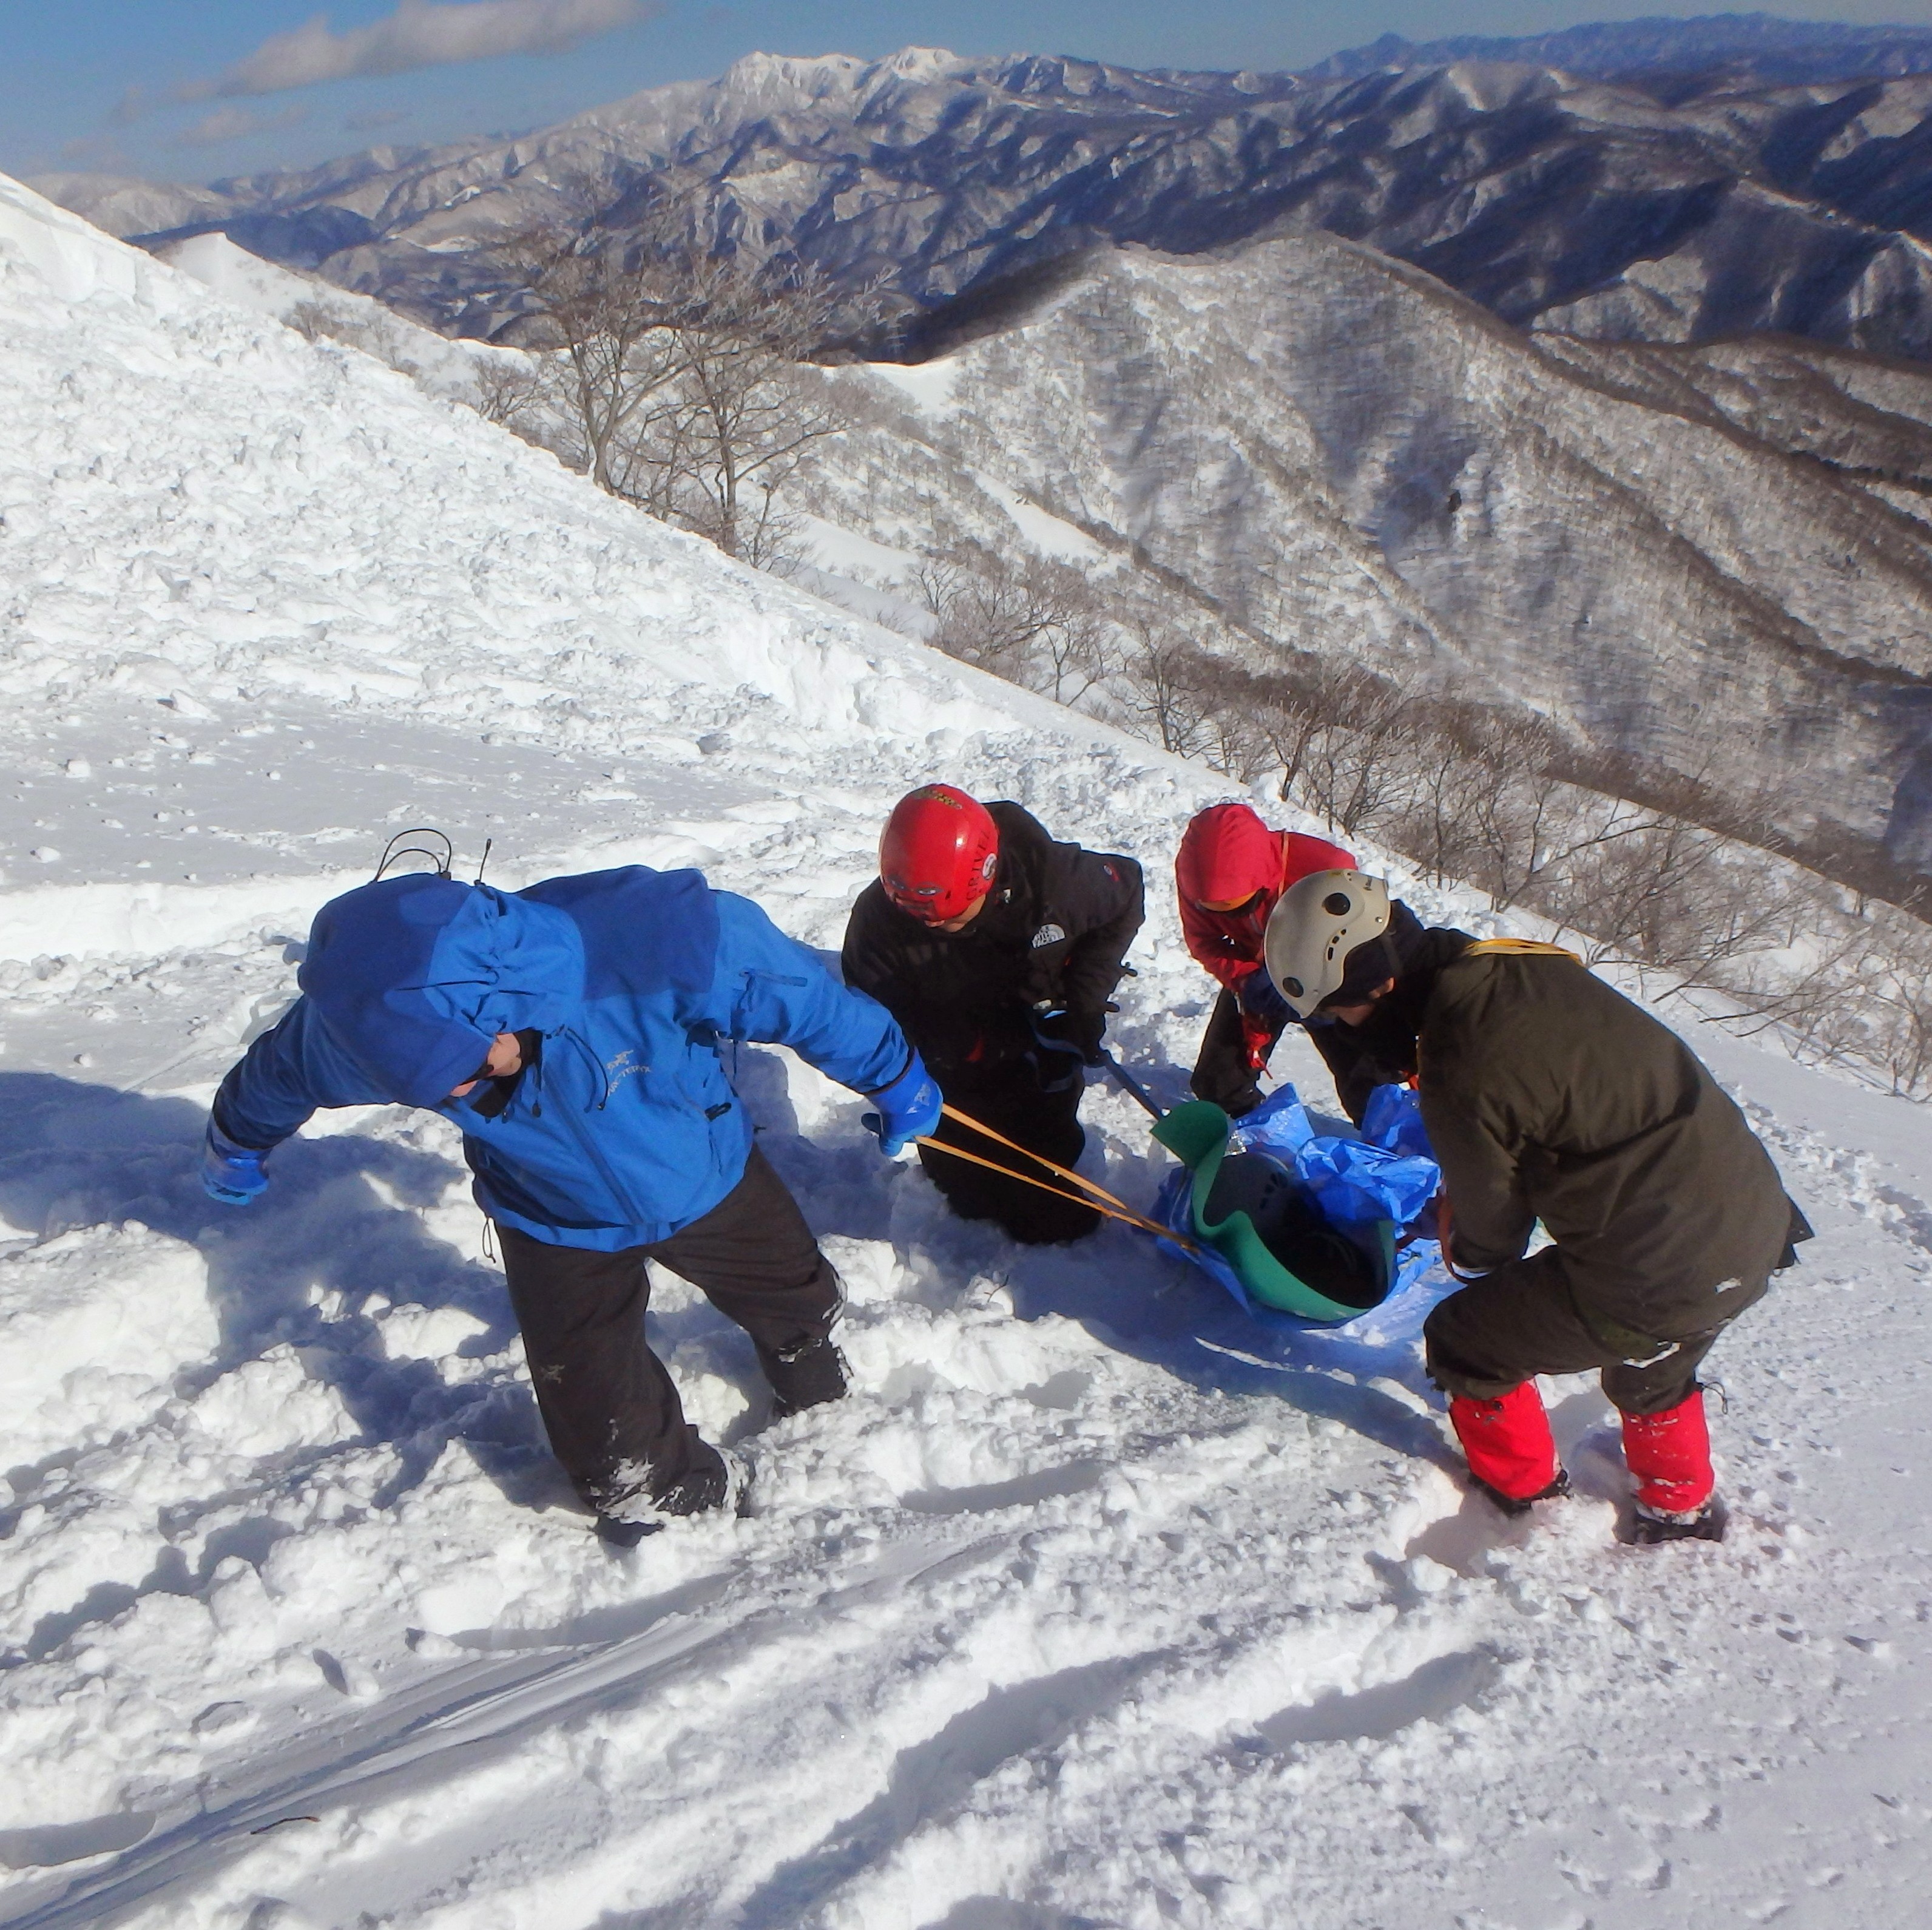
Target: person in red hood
<point>1230,870</point>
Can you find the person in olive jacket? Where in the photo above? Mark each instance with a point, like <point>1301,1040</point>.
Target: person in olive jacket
<point>997,949</point>
<point>1549,1096</point>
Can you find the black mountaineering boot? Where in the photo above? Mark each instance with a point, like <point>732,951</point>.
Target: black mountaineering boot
<point>807,1376</point>
<point>722,1483</point>
<point>1514,1504</point>
<point>1651,1528</point>
<point>618,1536</point>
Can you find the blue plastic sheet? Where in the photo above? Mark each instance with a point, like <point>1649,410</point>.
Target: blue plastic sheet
<point>1387,1174</point>
<point>1393,1117</point>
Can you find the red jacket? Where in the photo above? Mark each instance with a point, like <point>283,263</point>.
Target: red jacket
<point>1226,853</point>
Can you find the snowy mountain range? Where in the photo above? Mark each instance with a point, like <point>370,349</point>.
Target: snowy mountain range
<point>1327,451</point>
<point>1098,1602</point>
<point>1760,49</point>
<point>1614,209</point>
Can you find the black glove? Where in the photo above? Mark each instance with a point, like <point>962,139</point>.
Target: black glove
<point>1080,1032</point>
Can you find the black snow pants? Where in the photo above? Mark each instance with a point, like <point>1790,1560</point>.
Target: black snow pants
<point>1529,1317</point>
<point>609,1408</point>
<point>1357,1062</point>
<point>1043,1122</point>
<point>1222,1073</point>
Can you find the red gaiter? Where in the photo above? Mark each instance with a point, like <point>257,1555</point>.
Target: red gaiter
<point>1508,1442</point>
<point>1669,1456</point>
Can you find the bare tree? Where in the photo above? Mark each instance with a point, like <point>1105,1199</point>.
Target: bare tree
<point>1288,720</point>
<point>1354,773</point>
<point>509,392</point>
<point>1165,695</point>
<point>747,408</point>
<point>1032,620</point>
<point>604,300</point>
<point>683,373</point>
<point>1903,998</point>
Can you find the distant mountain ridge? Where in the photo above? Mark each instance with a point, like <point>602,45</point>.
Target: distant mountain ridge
<point>1762,49</point>
<point>1612,210</point>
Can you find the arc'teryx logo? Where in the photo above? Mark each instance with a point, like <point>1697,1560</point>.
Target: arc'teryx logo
<point>621,1067</point>
<point>1047,934</point>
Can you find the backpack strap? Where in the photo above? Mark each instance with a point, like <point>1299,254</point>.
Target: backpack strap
<point>1517,948</point>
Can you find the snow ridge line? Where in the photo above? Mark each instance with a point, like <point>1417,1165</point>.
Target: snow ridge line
<point>144,920</point>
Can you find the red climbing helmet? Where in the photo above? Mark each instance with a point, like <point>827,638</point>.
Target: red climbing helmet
<point>939,853</point>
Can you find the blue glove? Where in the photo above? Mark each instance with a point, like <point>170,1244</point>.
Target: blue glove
<point>1260,1001</point>
<point>911,1108</point>
<point>229,1173</point>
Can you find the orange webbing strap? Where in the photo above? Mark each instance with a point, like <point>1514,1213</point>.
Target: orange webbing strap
<point>1093,1186</point>
<point>1101,1200</point>
<point>1133,1220</point>
<point>1518,948</point>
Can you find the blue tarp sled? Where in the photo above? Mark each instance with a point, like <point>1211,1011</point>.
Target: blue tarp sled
<point>1307,1228</point>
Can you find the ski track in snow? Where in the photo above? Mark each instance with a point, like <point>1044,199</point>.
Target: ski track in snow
<point>1095,1604</point>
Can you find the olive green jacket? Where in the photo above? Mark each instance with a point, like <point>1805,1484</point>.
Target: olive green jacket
<point>1549,1096</point>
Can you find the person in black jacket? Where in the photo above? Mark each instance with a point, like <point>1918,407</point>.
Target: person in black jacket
<point>996,950</point>
<point>1550,1098</point>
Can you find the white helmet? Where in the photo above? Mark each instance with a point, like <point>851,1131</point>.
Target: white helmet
<point>1316,922</point>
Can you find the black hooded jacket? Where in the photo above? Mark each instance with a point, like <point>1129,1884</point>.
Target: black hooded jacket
<point>1382,1051</point>
<point>1054,932</point>
<point>1550,1096</point>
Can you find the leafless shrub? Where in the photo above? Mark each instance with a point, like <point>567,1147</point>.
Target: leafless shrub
<point>1032,620</point>
<point>1359,769</point>
<point>313,321</point>
<point>683,373</point>
<point>376,335</point>
<point>1480,795</point>
<point>509,392</point>
<point>1900,995</point>
<point>1167,693</point>
<point>1857,993</point>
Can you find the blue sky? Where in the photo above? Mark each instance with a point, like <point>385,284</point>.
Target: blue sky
<point>193,90</point>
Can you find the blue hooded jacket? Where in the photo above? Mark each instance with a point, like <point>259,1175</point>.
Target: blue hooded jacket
<point>625,1128</point>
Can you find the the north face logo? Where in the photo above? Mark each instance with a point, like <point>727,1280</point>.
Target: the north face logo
<point>1047,934</point>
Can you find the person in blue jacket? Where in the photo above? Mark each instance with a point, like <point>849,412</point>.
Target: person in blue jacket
<point>572,1030</point>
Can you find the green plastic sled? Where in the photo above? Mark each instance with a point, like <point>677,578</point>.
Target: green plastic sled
<point>1196,1134</point>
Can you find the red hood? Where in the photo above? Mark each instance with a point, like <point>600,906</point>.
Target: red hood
<point>1226,853</point>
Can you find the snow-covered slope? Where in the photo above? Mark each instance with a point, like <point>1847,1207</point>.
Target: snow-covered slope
<point>436,363</point>
<point>1095,1604</point>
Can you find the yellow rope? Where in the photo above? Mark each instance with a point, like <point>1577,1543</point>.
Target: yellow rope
<point>1039,1159</point>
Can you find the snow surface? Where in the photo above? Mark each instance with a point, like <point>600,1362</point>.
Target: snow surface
<point>1095,1605</point>
<point>439,365</point>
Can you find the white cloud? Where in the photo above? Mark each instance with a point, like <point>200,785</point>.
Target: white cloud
<point>420,34</point>
<point>231,124</point>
